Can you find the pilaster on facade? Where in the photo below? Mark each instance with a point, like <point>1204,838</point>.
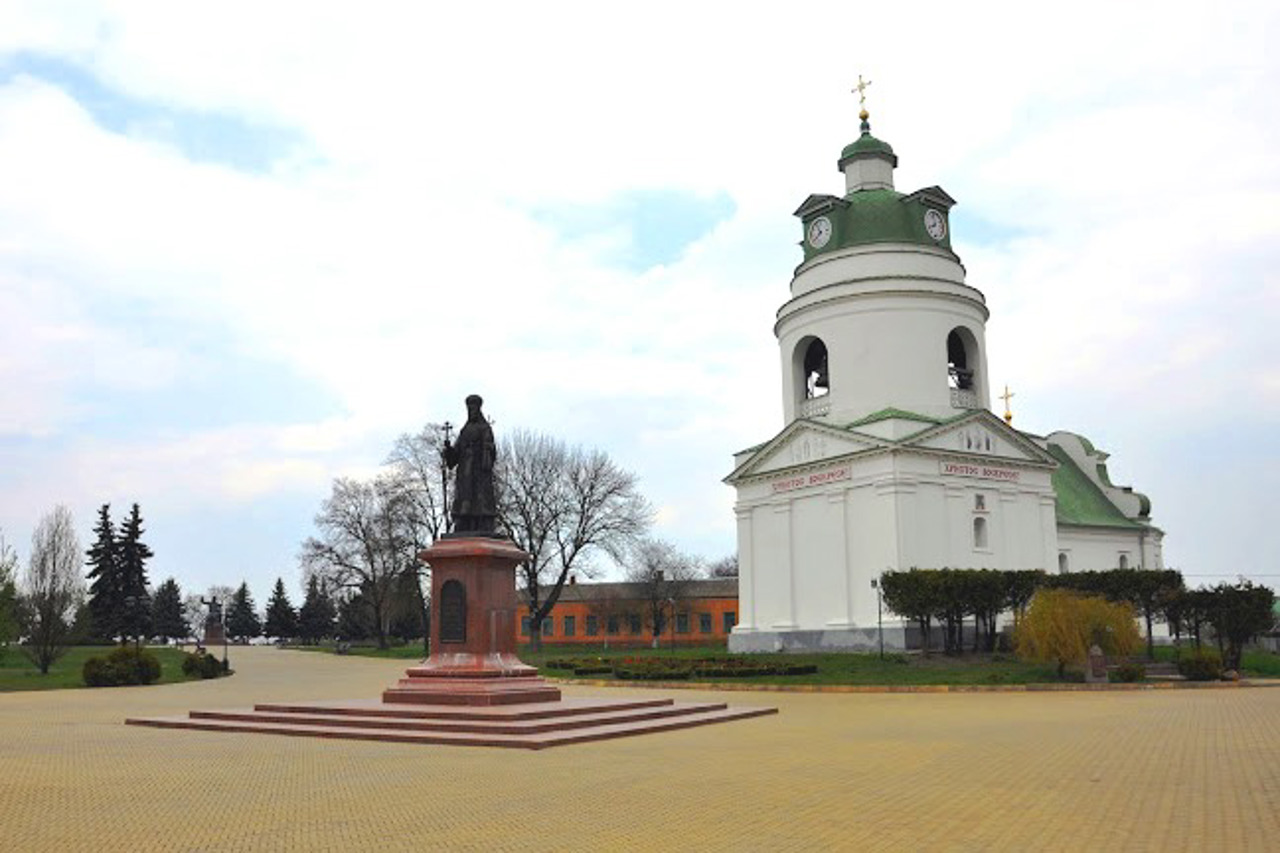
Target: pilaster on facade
<point>746,570</point>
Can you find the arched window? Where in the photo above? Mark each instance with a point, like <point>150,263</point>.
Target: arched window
<point>1124,561</point>
<point>1062,563</point>
<point>980,532</point>
<point>962,359</point>
<point>817,380</point>
<point>453,612</point>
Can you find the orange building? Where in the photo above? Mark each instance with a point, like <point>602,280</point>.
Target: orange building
<point>599,614</point>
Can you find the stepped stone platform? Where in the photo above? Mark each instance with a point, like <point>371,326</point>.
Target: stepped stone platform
<point>523,725</point>
<point>473,690</point>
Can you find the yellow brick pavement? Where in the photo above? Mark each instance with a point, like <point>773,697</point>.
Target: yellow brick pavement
<point>1160,770</point>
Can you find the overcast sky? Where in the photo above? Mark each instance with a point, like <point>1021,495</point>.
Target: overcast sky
<point>245,245</point>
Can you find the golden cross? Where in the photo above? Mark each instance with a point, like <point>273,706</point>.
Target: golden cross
<point>861,89</point>
<point>1006,396</point>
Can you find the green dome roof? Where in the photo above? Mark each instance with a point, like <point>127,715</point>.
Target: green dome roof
<point>867,144</point>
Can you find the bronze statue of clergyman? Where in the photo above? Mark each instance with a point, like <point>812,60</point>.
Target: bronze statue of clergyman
<point>475,507</point>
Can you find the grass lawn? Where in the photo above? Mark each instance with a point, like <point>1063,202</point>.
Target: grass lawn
<point>18,673</point>
<point>833,668</point>
<point>1254,663</point>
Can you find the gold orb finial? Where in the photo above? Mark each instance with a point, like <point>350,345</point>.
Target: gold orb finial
<point>864,115</point>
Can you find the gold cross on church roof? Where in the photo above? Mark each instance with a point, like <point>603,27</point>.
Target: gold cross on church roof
<point>861,89</point>
<point>1007,396</point>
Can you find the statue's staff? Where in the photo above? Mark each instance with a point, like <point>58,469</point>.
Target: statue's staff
<point>444,476</point>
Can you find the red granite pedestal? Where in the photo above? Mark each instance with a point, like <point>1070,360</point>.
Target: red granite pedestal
<point>473,690</point>
<point>473,630</point>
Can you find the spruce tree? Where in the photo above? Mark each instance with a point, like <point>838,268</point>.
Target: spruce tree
<point>409,615</point>
<point>242,618</point>
<point>135,601</point>
<point>282,621</point>
<point>8,595</point>
<point>169,622</point>
<point>106,601</point>
<point>316,617</point>
<point>355,617</point>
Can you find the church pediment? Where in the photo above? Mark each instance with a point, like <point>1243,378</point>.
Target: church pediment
<point>800,444</point>
<point>934,195</point>
<point>818,203</point>
<point>980,434</point>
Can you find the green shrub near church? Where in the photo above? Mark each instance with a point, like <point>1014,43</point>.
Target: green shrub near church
<point>125,665</point>
<point>1200,664</point>
<point>202,664</point>
<point>654,667</point>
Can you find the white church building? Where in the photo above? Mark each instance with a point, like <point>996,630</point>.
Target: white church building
<point>890,457</point>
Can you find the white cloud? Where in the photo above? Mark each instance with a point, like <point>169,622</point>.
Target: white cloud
<point>390,256</point>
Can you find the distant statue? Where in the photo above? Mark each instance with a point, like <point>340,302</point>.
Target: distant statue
<point>214,634</point>
<point>215,611</point>
<point>475,507</point>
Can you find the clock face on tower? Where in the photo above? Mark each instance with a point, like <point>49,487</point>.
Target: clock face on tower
<point>819,232</point>
<point>935,224</point>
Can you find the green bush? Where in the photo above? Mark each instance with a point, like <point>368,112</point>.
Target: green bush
<point>719,667</point>
<point>1200,665</point>
<point>654,670</point>
<point>201,664</point>
<point>1129,673</point>
<point>125,665</point>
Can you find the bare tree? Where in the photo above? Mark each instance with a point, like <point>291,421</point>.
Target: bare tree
<point>193,612</point>
<point>417,460</point>
<point>563,505</point>
<point>367,541</point>
<point>663,573</point>
<point>52,588</point>
<point>606,605</point>
<point>725,567</point>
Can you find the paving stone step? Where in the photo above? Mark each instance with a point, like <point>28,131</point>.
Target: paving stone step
<point>698,716</point>
<point>529,711</point>
<point>544,724</point>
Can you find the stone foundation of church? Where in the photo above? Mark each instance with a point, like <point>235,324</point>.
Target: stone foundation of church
<point>897,637</point>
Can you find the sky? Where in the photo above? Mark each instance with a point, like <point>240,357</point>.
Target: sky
<point>244,246</point>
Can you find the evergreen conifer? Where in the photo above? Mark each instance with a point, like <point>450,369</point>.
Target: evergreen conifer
<point>316,617</point>
<point>8,595</point>
<point>282,621</point>
<point>355,617</point>
<point>135,601</point>
<point>168,620</point>
<point>106,601</point>
<point>242,617</point>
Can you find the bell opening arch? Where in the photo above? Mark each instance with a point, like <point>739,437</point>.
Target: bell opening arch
<point>811,369</point>
<point>962,359</point>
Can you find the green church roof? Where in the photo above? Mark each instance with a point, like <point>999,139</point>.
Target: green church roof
<point>891,414</point>
<point>866,144</point>
<point>1079,500</point>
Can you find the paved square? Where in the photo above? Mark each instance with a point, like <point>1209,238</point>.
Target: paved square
<point>1168,770</point>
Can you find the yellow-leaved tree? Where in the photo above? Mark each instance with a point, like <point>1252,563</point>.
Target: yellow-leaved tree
<point>1061,625</point>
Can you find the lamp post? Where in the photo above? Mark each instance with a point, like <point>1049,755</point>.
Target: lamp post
<point>875,584</point>
<point>131,623</point>
<point>226,666</point>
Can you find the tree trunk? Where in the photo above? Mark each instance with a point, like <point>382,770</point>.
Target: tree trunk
<point>1151,641</point>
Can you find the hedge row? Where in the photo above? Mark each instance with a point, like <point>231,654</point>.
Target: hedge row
<point>657,668</point>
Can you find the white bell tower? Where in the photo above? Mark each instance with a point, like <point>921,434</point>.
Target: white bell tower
<point>880,316</point>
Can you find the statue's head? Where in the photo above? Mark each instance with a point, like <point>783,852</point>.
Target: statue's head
<point>474,402</point>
